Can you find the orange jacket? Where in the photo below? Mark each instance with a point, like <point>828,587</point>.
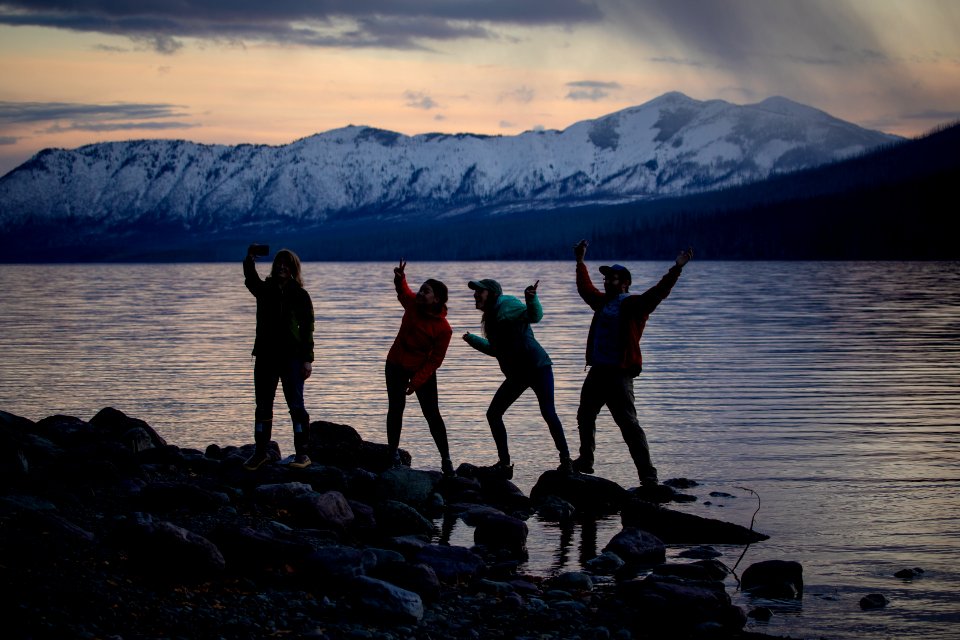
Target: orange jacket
<point>422,340</point>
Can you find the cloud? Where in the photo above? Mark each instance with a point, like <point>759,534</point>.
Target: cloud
<point>523,94</point>
<point>60,117</point>
<point>419,100</point>
<point>5,140</point>
<point>591,90</point>
<point>370,23</point>
<point>685,62</point>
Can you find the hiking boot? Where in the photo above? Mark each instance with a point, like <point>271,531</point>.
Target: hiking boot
<point>582,466</point>
<point>566,466</point>
<point>648,482</point>
<point>256,461</point>
<point>300,461</point>
<point>447,467</point>
<point>503,469</point>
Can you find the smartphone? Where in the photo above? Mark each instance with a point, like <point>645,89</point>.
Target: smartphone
<point>260,249</point>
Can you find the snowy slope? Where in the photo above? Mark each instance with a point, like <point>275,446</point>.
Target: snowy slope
<point>669,146</point>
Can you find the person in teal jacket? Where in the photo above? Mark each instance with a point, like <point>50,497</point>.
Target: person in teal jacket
<point>507,336</point>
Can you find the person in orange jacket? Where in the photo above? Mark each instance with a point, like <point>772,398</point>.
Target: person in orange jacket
<point>413,360</point>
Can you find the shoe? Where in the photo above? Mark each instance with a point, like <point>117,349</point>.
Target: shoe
<point>256,461</point>
<point>648,482</point>
<point>447,467</point>
<point>566,466</point>
<point>300,461</point>
<point>582,466</point>
<point>504,470</point>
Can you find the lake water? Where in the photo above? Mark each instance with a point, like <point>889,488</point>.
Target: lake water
<point>831,390</point>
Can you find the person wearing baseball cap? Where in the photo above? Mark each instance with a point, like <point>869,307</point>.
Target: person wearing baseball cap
<point>507,336</point>
<point>614,358</point>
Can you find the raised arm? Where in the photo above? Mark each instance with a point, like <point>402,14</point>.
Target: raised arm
<point>534,308</point>
<point>647,301</point>
<point>404,294</point>
<point>250,276</point>
<point>589,293</point>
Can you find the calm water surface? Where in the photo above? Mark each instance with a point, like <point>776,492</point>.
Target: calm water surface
<point>831,390</point>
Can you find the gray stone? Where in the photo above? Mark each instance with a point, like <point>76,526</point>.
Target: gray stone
<point>572,581</point>
<point>389,602</point>
<point>396,518</point>
<point>605,564</point>
<point>328,510</point>
<point>451,564</point>
<point>637,547</point>
<point>873,601</point>
<point>774,579</point>
<point>407,485</point>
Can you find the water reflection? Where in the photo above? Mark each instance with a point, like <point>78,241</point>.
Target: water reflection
<point>831,389</point>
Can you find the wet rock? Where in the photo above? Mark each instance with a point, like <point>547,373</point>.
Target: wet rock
<point>681,483</point>
<point>322,478</point>
<point>133,432</point>
<point>637,547</point>
<point>873,601</point>
<point>774,579</point>
<point>700,553</point>
<point>502,532</point>
<point>471,514</point>
<point>675,527</point>
<point>572,582</point>
<point>555,509</point>
<point>763,614</point>
<point>282,494</point>
<point>588,494</point>
<point>701,570</point>
<point>909,574</point>
<point>680,606</point>
<point>605,564</point>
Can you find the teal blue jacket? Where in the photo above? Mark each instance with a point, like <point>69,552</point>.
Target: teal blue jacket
<point>509,337</point>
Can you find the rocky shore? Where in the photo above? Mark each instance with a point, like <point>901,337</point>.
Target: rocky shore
<point>108,531</point>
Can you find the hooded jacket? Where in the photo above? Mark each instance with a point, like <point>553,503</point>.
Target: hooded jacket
<point>284,316</point>
<point>634,311</point>
<point>422,341</point>
<point>509,337</point>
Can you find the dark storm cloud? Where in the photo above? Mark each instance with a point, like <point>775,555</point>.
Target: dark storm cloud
<point>350,23</point>
<point>36,112</point>
<point>66,116</point>
<point>590,90</point>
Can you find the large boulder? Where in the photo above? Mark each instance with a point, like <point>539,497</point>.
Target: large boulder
<point>407,485</point>
<point>676,527</point>
<point>329,510</point>
<point>451,564</point>
<point>678,608</point>
<point>132,432</point>
<point>503,533</point>
<point>588,494</point>
<point>396,518</point>
<point>163,548</point>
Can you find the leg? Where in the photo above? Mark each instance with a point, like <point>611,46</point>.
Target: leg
<point>429,402</point>
<point>266,374</point>
<point>543,387</point>
<point>506,395</point>
<point>622,405</point>
<point>292,380</point>
<point>397,380</point>
<point>592,399</point>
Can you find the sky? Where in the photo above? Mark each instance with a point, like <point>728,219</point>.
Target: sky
<point>75,72</point>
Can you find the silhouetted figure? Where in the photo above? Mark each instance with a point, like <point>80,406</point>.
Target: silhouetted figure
<point>413,361</point>
<point>283,350</point>
<point>613,354</point>
<point>509,338</point>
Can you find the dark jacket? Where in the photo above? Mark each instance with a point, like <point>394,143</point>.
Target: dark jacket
<point>423,338</point>
<point>634,311</point>
<point>509,337</point>
<point>284,316</point>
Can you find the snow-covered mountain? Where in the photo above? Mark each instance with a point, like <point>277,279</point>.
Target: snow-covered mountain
<point>669,146</point>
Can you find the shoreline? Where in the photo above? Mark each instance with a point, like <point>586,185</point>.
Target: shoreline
<point>109,531</point>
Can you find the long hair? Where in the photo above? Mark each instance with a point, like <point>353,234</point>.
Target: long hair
<point>489,312</point>
<point>292,260</point>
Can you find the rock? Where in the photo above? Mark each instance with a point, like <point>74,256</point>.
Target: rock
<point>166,549</point>
<point>555,509</point>
<point>391,603</point>
<point>588,494</point>
<point>330,568</point>
<point>572,581</point>
<point>419,578</point>
<point>169,496</point>
<point>281,495</point>
<point>909,574</point>
<point>763,614</point>
<point>471,514</point>
<point>873,601</point>
<point>451,564</point>
<point>681,483</point>
<point>502,532</point>
<point>132,432</point>
<point>329,510</point>
<point>680,606</point>
<point>66,431</point>
<point>700,553</point>
<point>407,485</point>
<point>675,527</point>
<point>701,571</point>
<point>249,551</point>
<point>398,519</point>
<point>637,547</point>
<point>774,579</point>
<point>322,478</point>
<point>605,564</point>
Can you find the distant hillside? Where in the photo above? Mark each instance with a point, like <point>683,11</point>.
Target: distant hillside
<point>171,200</point>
